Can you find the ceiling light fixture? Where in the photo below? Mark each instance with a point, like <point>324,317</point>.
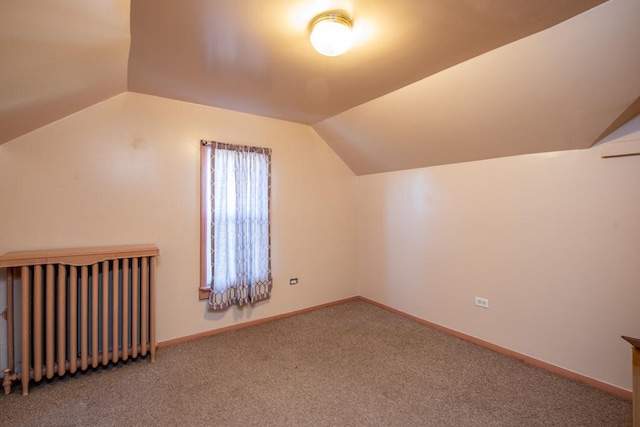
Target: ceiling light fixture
<point>331,34</point>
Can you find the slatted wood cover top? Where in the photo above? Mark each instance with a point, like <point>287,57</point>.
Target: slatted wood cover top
<point>633,341</point>
<point>76,256</point>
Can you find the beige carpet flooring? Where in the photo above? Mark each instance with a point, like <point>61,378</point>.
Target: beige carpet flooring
<point>348,365</point>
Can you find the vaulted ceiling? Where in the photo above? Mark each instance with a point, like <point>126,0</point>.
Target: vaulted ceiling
<point>427,82</point>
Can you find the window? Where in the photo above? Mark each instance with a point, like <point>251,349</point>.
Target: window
<point>235,253</point>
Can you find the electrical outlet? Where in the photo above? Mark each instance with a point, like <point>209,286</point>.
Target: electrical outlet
<point>293,281</point>
<point>482,302</point>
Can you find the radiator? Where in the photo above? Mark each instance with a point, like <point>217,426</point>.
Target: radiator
<point>78,309</point>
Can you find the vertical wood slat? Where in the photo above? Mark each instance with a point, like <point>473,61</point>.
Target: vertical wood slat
<point>635,381</point>
<point>95,271</point>
<point>10,340</point>
<point>49,319</point>
<point>105,312</point>
<point>134,308</point>
<point>84,314</point>
<point>26,329</point>
<point>125,308</point>
<point>114,315</point>
<point>152,308</point>
<point>62,317</point>
<point>635,378</point>
<point>73,319</point>
<point>37,322</point>
<point>144,304</point>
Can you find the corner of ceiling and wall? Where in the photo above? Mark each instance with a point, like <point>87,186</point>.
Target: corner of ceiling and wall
<point>426,82</point>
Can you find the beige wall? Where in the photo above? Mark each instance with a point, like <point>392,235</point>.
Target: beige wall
<point>552,240</point>
<point>126,171</point>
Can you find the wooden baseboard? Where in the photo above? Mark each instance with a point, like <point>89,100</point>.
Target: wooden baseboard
<point>617,391</point>
<point>180,340</point>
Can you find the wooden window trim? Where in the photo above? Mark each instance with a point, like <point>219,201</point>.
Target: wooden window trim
<point>203,292</point>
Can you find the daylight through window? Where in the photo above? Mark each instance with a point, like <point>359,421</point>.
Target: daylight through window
<point>235,241</point>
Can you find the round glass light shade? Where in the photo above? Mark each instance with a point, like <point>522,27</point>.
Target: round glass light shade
<point>331,35</point>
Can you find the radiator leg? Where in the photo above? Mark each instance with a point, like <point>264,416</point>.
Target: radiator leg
<point>7,380</point>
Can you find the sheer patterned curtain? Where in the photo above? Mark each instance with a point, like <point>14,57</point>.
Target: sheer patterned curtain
<point>239,253</point>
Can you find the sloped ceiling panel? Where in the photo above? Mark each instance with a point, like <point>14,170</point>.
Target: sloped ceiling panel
<point>58,57</point>
<point>555,90</point>
<point>630,113</point>
<point>255,56</point>
<point>627,133</point>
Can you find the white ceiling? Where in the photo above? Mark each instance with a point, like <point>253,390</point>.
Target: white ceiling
<point>428,81</point>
